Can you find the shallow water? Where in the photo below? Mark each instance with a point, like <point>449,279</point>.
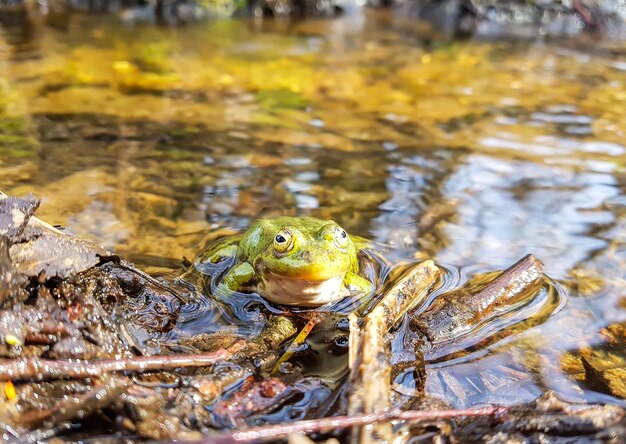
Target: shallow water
<point>471,153</point>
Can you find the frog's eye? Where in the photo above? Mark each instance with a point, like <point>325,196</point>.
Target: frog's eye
<point>341,237</point>
<point>283,241</point>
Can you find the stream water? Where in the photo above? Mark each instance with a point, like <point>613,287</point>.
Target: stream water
<point>472,153</point>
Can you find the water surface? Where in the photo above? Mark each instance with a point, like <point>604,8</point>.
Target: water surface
<point>470,153</point>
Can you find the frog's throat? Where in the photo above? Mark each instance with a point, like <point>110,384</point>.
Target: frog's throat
<point>287,290</point>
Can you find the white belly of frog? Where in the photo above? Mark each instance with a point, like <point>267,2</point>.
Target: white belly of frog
<point>285,290</point>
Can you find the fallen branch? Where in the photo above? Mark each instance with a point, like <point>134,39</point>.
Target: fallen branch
<point>266,347</point>
<point>142,275</point>
<point>370,376</point>
<point>342,422</point>
<point>453,313</point>
<point>35,369</point>
<point>277,330</point>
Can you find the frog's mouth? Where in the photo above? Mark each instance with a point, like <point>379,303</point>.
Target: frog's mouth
<point>288,290</point>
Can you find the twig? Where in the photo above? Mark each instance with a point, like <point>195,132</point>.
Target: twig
<point>55,328</point>
<point>298,340</point>
<point>15,214</point>
<point>354,341</point>
<point>453,313</point>
<point>277,330</point>
<point>370,376</point>
<point>342,422</point>
<point>47,333</point>
<point>35,369</point>
<point>167,288</point>
<point>40,339</point>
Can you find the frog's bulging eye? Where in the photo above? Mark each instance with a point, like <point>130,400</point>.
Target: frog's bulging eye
<point>341,237</point>
<point>283,241</point>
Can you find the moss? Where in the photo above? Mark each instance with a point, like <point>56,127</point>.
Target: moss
<point>281,98</point>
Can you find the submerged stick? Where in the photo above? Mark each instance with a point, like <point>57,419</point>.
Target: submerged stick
<point>457,311</point>
<point>342,422</point>
<point>297,342</point>
<point>277,330</point>
<point>80,406</point>
<point>354,341</point>
<point>35,369</point>
<point>370,376</point>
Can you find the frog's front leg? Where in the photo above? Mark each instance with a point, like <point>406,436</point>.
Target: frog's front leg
<point>220,250</point>
<point>205,263</point>
<point>357,284</point>
<point>218,255</point>
<point>236,278</point>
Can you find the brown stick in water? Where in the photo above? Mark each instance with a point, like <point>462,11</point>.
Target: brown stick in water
<point>370,376</point>
<point>342,422</point>
<point>35,369</point>
<point>454,312</point>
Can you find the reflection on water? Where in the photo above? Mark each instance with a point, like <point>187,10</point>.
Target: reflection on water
<point>472,154</point>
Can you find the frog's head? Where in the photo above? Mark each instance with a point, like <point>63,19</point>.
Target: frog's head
<point>299,261</point>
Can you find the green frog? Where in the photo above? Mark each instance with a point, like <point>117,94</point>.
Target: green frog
<point>301,261</point>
